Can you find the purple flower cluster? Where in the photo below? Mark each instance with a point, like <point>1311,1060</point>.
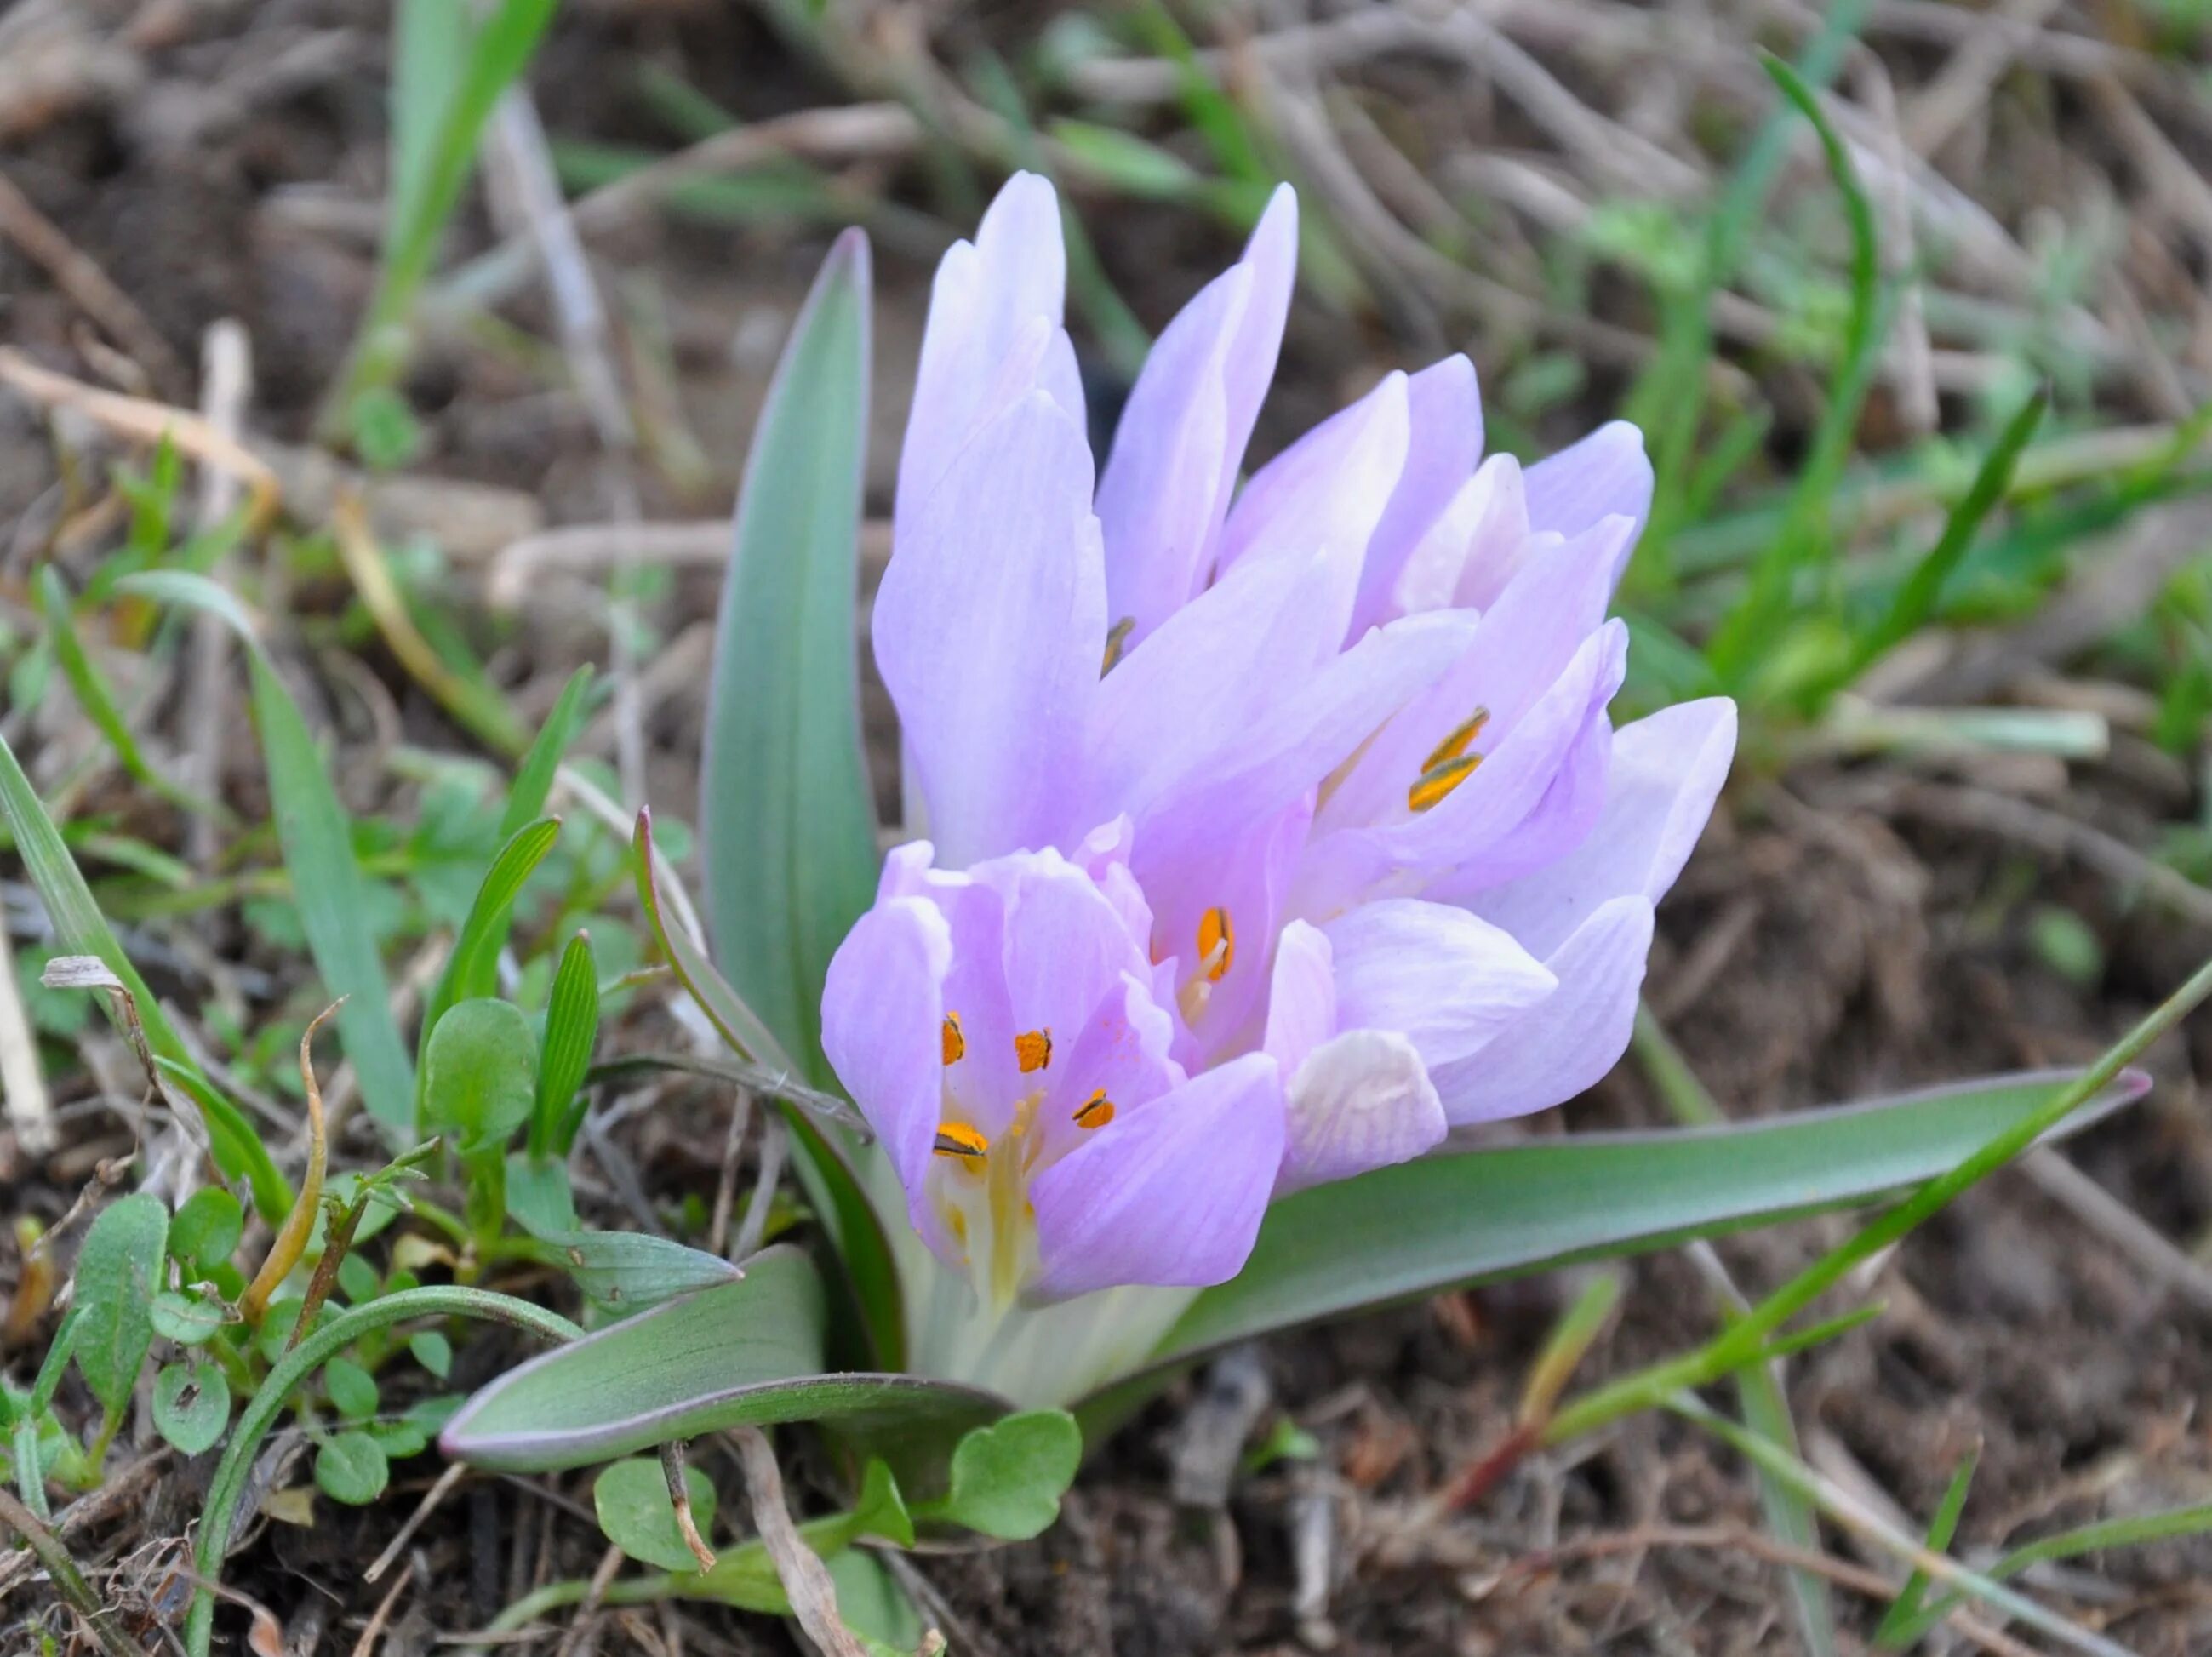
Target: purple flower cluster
<point>1271,831</point>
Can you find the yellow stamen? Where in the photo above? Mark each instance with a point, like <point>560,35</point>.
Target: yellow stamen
<point>1217,944</point>
<point>955,1044</point>
<point>1117,641</point>
<point>1435,784</point>
<point>957,1139</point>
<point>1457,740</point>
<point>1098,1111</point>
<point>1033,1050</point>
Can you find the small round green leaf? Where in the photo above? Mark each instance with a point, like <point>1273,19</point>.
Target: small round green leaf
<point>351,1468</point>
<point>351,1388</point>
<point>207,1228</point>
<point>184,1319</point>
<point>191,1405</point>
<point>634,1511</point>
<point>398,1438</point>
<point>1007,1479</point>
<point>481,1077</point>
<point>433,1351</point>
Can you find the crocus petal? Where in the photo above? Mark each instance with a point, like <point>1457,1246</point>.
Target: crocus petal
<point>882,1008</point>
<point>1066,945</point>
<point>1568,1041</point>
<point>1360,1101</point>
<point>1443,409</point>
<point>1438,976</point>
<point>1605,474</point>
<point>1329,489</point>
<point>1559,822</point>
<point>1301,996</point>
<point>1272,256</point>
<point>988,629</point>
<point>1666,772</point>
<point>1169,1194</point>
<point>988,295</point>
<point>1120,1053</point>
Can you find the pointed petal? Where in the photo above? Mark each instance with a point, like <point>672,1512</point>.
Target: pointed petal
<point>1362,1100</point>
<point>1301,996</point>
<point>1443,979</point>
<point>1608,473</point>
<point>1171,1192</point>
<point>1161,497</point>
<point>1272,256</point>
<point>1121,1052</point>
<point>1329,489</point>
<point>1066,946</point>
<point>1444,415</point>
<point>1665,774</point>
<point>986,297</point>
<point>988,629</point>
<point>882,1007</point>
<point>1569,1041</point>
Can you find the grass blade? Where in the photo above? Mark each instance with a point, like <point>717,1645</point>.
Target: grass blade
<point>1896,1631</point>
<point>534,778</point>
<point>784,808</point>
<point>317,840</point>
<point>572,1029</point>
<point>473,969</point>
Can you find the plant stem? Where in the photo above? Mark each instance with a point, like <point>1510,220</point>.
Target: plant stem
<point>301,1362</point>
<point>69,1580</point>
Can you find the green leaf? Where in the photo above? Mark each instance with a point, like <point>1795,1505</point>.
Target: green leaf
<point>79,929</point>
<point>881,1510</point>
<point>572,1029</point>
<point>184,1319</point>
<point>351,1467</point>
<point>784,811</point>
<point>207,1228</point>
<point>1894,1631</point>
<point>733,1019</point>
<point>433,1351</point>
<point>118,1272</point>
<point>872,1603</point>
<point>747,1352</point>
<point>482,1065</point>
<point>1479,1216</point>
<point>538,1197</point>
<point>631,1499</point>
<point>351,1389</point>
<point>1008,1479</point>
<point>473,970</point>
<point>317,840</point>
<point>534,778</point>
<point>191,1405</point>
<point>628,1272</point>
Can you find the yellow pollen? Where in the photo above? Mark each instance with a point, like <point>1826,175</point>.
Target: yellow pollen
<point>1439,781</point>
<point>1098,1111</point>
<point>1457,740</point>
<point>1217,944</point>
<point>957,1139</point>
<point>1033,1050</point>
<point>955,1044</point>
<point>1117,641</point>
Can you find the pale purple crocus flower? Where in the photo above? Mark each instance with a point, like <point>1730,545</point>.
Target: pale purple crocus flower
<point>1271,832</point>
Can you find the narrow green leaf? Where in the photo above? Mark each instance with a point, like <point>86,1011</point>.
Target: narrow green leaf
<point>1789,1515</point>
<point>1008,1477</point>
<point>1916,599</point>
<point>747,1352</point>
<point>572,1029</point>
<point>119,1271</point>
<point>473,970</point>
<point>785,811</point>
<point>1895,1632</point>
<point>628,1272</point>
<point>79,929</point>
<point>824,1171</point>
<point>1479,1216</point>
<point>191,1405</point>
<point>631,1499</point>
<point>534,778</point>
<point>481,1068</point>
<point>317,839</point>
